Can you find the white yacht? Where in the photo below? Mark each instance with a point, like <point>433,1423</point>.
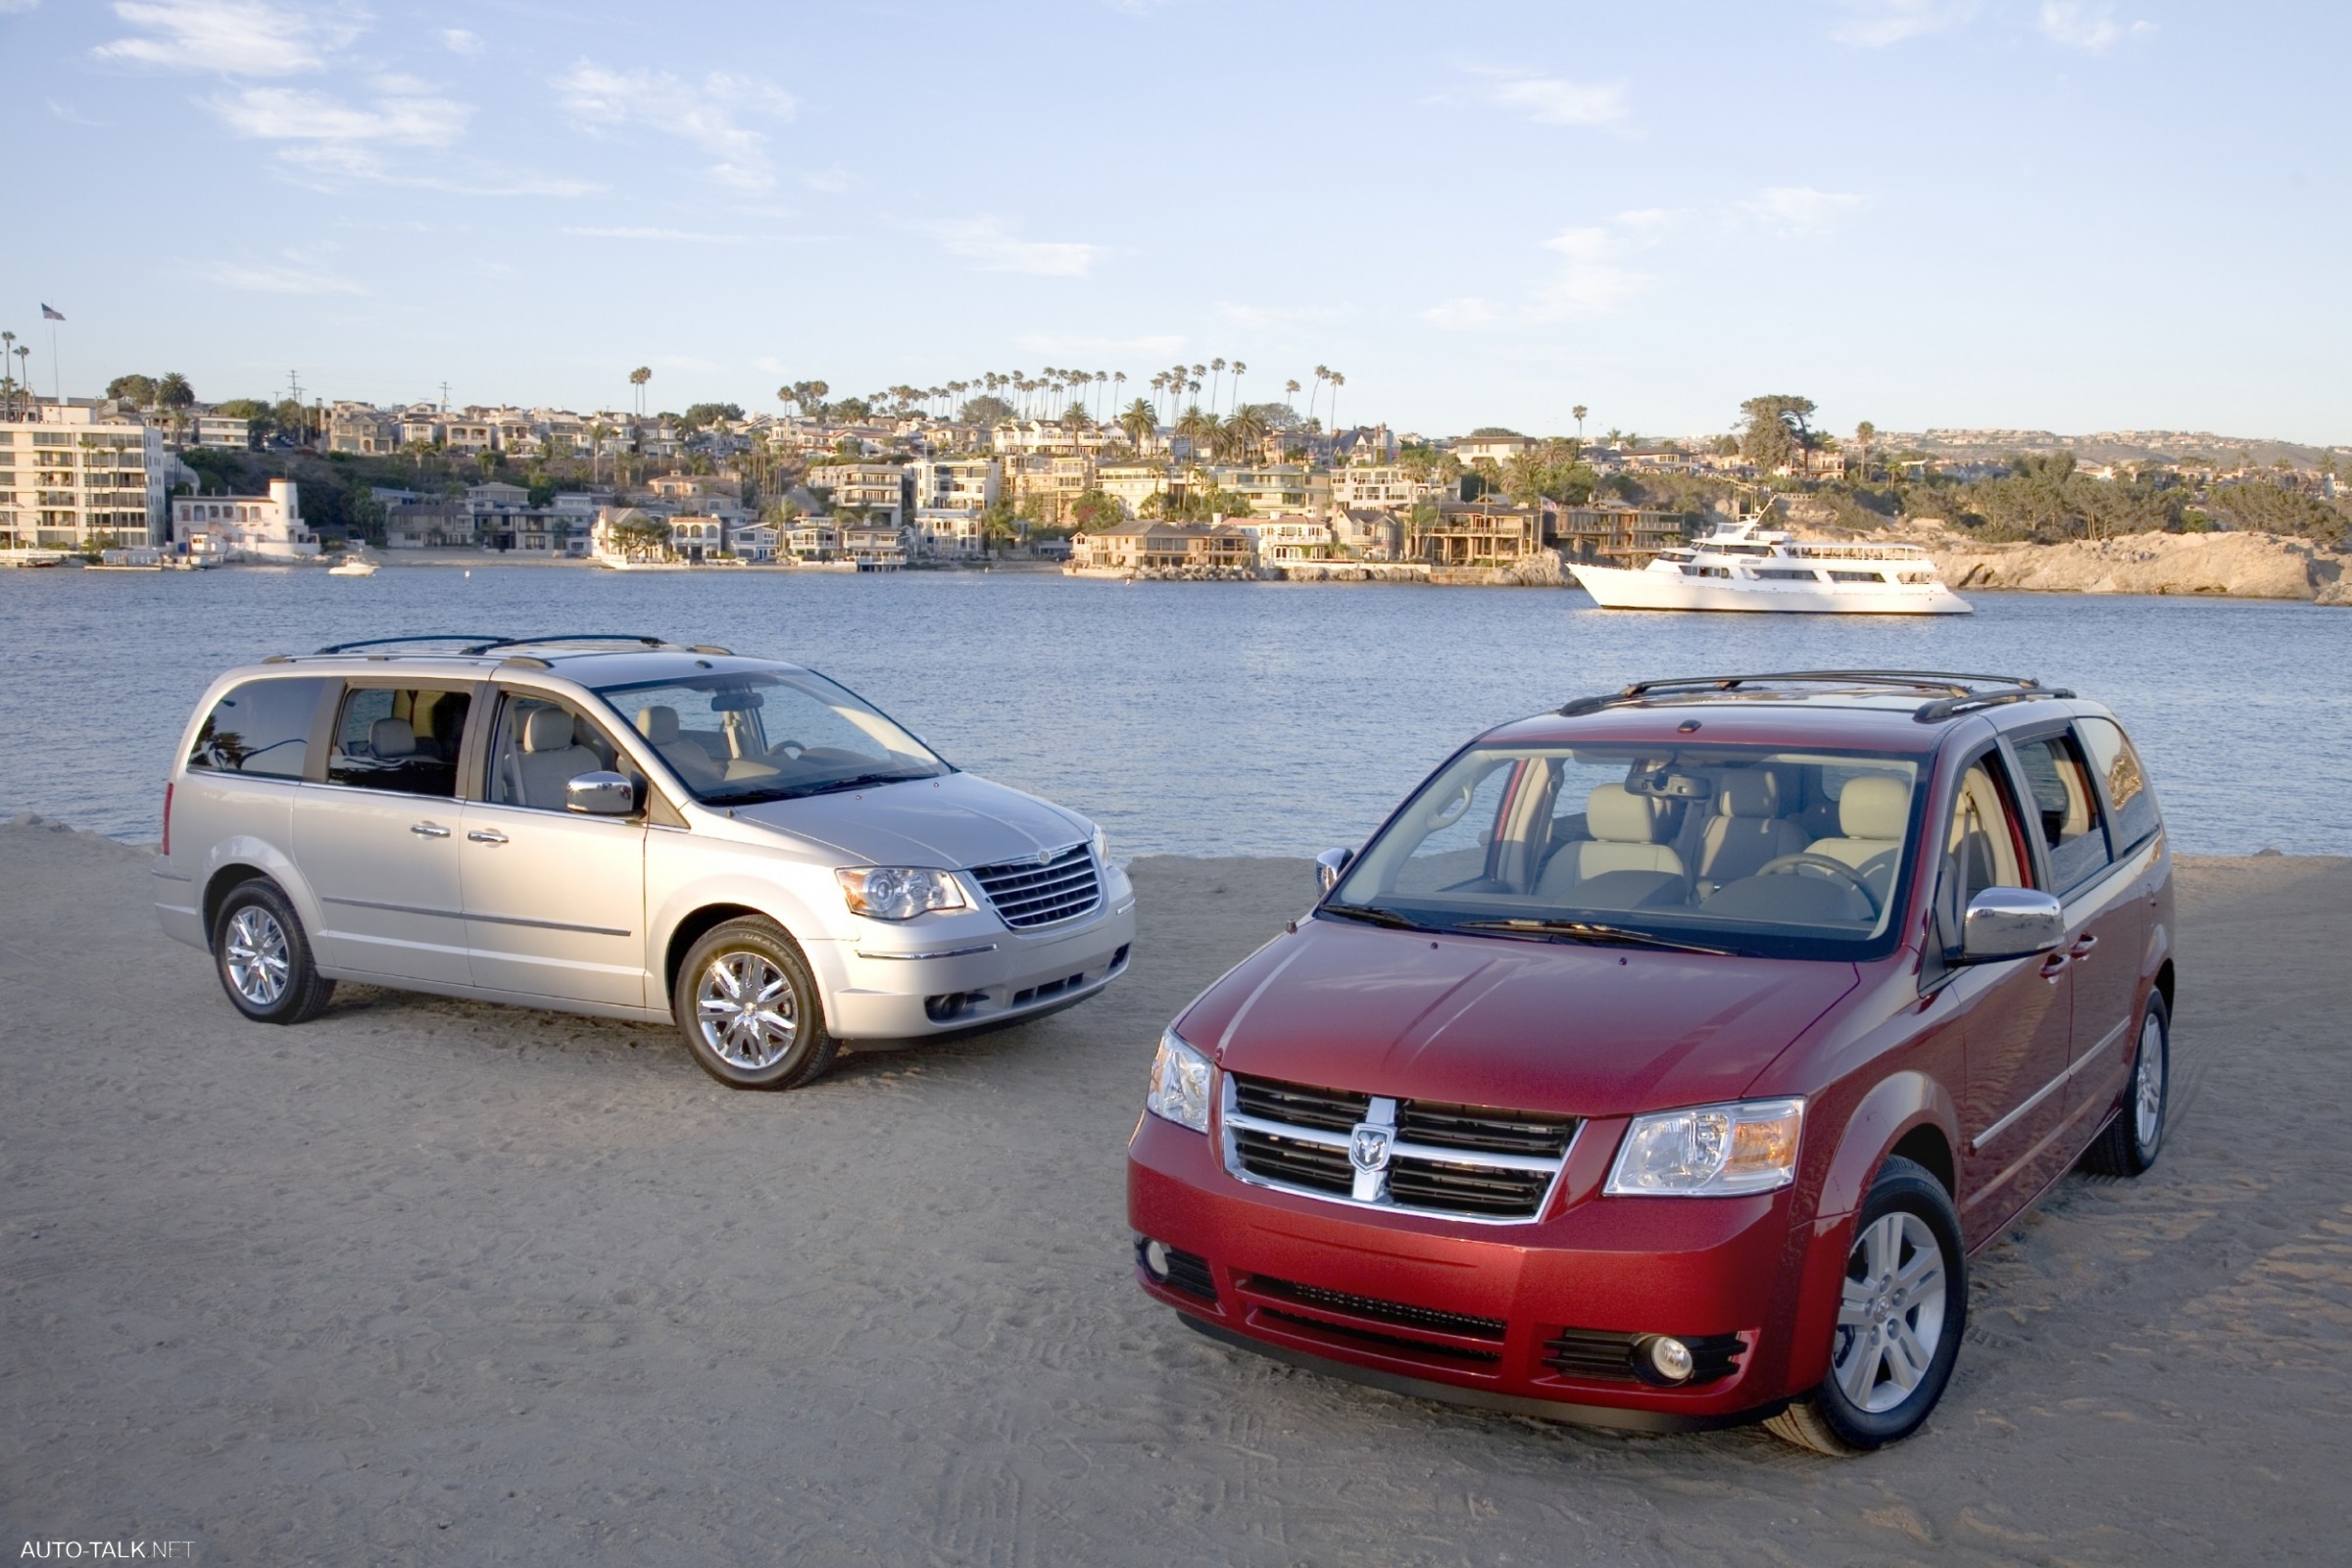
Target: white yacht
<point>355,564</point>
<point>1745,565</point>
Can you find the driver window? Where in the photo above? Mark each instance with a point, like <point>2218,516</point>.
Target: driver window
<point>2066,808</point>
<point>539,746</point>
<point>1459,825</point>
<point>1982,849</point>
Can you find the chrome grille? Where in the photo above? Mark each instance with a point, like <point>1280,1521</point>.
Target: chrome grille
<point>1027,893</point>
<point>1469,1162</point>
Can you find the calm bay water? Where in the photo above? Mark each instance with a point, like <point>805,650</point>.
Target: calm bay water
<point>1189,718</point>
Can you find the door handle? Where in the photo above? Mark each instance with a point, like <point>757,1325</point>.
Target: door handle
<point>2081,947</point>
<point>429,830</point>
<point>2054,965</point>
<point>486,836</point>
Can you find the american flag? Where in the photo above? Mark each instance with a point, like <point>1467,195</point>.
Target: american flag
<point>49,314</point>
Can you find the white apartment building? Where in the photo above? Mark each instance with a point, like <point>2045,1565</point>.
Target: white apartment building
<point>75,480</point>
<point>1293,536</point>
<point>950,532</point>
<point>244,527</point>
<point>1376,487</point>
<point>960,484</point>
<point>219,430</point>
<point>1132,483</point>
<point>1501,448</point>
<point>884,490</point>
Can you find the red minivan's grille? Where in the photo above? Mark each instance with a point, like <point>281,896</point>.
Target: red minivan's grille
<point>1424,1156</point>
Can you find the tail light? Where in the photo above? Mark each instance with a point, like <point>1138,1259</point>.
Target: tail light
<point>167,819</point>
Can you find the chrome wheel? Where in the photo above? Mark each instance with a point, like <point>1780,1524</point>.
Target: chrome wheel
<point>257,955</point>
<point>745,1011</point>
<point>2147,1084</point>
<point>1890,1318</point>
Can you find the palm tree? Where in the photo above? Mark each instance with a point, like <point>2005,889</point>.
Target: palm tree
<point>1580,411</point>
<point>1197,425</point>
<point>1290,392</point>
<point>637,378</point>
<point>1322,374</point>
<point>598,433</point>
<point>1246,430</point>
<point>1239,371</point>
<point>1216,368</point>
<point>1337,382</point>
<point>1138,421</point>
<point>1865,433</point>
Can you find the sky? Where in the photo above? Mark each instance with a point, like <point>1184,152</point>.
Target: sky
<point>2065,214</point>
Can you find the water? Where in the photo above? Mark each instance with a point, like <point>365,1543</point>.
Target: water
<point>1189,718</point>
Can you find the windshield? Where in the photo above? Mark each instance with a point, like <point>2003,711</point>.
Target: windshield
<point>1790,854</point>
<point>736,737</point>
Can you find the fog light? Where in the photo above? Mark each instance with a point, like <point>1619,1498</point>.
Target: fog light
<point>1155,1263</point>
<point>1669,1357</point>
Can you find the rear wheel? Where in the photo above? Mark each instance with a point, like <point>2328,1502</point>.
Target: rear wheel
<point>1899,1320</point>
<point>2132,1140</point>
<point>749,1007</point>
<point>263,957</point>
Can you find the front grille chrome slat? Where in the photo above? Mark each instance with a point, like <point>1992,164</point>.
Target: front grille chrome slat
<point>1033,893</point>
<point>1465,1162</point>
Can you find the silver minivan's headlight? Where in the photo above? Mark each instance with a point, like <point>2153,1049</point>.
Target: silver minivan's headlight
<point>898,892</point>
<point>1709,1150</point>
<point>1101,847</point>
<point>1180,1083</point>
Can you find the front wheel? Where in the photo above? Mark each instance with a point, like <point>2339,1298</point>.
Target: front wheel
<point>749,1008</point>
<point>1899,1320</point>
<point>263,957</point>
<point>2131,1143</point>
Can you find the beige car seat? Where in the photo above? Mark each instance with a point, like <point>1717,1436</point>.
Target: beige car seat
<point>1622,825</point>
<point>1748,831</point>
<point>552,757</point>
<point>659,727</point>
<point>1873,812</point>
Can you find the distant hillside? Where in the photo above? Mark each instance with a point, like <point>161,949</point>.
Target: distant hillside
<point>2111,446</point>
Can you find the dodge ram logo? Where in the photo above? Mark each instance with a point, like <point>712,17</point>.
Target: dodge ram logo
<point>1368,1147</point>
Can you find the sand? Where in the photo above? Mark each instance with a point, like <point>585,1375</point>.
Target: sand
<point>429,1282</point>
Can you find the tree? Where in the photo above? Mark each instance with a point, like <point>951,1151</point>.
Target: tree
<point>637,378</point>
<point>1197,426</point>
<point>1138,421</point>
<point>697,415</point>
<point>1074,417</point>
<point>1245,430</point>
<point>1093,509</point>
<point>986,410</point>
<point>1776,433</point>
<point>136,390</point>
<point>1289,390</point>
<point>172,391</point>
<point>1337,382</point>
<point>1580,411</point>
<point>1865,433</point>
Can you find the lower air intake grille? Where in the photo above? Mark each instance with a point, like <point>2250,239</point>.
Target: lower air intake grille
<point>1364,1307</point>
<point>1598,1356</point>
<point>1026,893</point>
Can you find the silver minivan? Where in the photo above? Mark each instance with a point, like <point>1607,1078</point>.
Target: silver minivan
<point>624,828</point>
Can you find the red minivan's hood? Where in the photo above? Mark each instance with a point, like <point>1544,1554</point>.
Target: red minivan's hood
<point>1592,1031</point>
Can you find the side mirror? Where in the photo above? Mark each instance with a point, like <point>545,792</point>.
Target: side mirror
<point>1330,865</point>
<point>600,795</point>
<point>2009,923</point>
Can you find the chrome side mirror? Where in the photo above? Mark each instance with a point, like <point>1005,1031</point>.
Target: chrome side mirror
<point>2009,923</point>
<point>1330,865</point>
<point>600,795</point>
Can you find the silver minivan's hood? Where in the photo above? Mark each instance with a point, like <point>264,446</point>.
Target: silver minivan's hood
<point>950,822</point>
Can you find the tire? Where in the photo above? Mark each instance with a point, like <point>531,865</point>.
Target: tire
<point>1905,1270</point>
<point>263,957</point>
<point>2131,1142</point>
<point>749,1009</point>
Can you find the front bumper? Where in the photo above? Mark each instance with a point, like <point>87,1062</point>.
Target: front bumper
<point>1519,1317</point>
<point>933,980</point>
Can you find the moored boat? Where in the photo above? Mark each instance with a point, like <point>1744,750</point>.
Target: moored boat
<point>1747,567</point>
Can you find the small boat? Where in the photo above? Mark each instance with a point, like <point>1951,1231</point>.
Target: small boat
<point>356,566</point>
<point>1747,567</point>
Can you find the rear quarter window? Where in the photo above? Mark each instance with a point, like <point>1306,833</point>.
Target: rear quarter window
<point>262,728</point>
<point>2118,767</point>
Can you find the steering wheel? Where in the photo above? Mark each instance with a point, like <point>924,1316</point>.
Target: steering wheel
<point>790,751</point>
<point>1838,869</point>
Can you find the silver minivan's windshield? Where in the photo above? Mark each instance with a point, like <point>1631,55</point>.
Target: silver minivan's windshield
<point>1788,853</point>
<point>740,736</point>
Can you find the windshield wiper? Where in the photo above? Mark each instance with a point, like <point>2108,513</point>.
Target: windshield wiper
<point>1372,916</point>
<point>794,792</point>
<point>1594,932</point>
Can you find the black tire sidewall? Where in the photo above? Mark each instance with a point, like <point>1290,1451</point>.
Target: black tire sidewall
<point>1904,1186</point>
<point>771,943</point>
<point>301,976</point>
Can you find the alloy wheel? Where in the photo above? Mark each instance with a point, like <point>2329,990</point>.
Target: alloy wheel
<point>1890,1318</point>
<point>257,955</point>
<point>745,1011</point>
<point>2147,1085</point>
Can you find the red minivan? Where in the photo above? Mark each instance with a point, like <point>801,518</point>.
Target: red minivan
<point>1662,1060</point>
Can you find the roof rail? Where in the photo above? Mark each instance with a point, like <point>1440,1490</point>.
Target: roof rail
<point>422,637</point>
<point>639,638</point>
<point>1960,690</point>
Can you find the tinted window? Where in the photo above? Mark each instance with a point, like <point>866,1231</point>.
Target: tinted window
<point>402,739</point>
<point>1981,849</point>
<point>262,727</point>
<point>2118,767</point>
<point>2066,808</point>
<point>541,744</point>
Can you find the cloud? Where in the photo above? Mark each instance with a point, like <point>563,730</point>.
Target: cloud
<point>2091,28</point>
<point>1549,101</point>
<point>404,118</point>
<point>705,113</point>
<point>1791,209</point>
<point>990,246</point>
<point>457,41</point>
<point>271,279</point>
<point>1876,24</point>
<point>683,236</point>
<point>333,165</point>
<point>66,112</point>
<point>832,181</point>
<point>1460,314</point>
<point>1592,279</point>
<point>232,37</point>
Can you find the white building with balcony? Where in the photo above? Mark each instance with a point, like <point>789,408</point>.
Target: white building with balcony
<point>73,478</point>
<point>245,527</point>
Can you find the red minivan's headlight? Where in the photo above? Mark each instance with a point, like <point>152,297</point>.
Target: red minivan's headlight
<point>1709,1150</point>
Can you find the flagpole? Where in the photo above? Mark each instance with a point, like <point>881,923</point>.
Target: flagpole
<point>56,394</point>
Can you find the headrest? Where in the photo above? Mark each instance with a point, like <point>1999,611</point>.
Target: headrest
<point>391,737</point>
<point>657,724</point>
<point>1615,815</point>
<point>547,729</point>
<point>1750,792</point>
<point>1873,806</point>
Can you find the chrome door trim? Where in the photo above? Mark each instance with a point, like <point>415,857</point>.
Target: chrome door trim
<point>493,919</point>
<point>391,909</point>
<point>1978,1143</point>
<point>943,952</point>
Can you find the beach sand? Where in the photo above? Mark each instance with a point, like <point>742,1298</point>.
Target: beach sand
<point>433,1282</point>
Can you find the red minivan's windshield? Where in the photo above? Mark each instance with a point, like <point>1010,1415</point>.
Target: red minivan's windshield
<point>1780,852</point>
